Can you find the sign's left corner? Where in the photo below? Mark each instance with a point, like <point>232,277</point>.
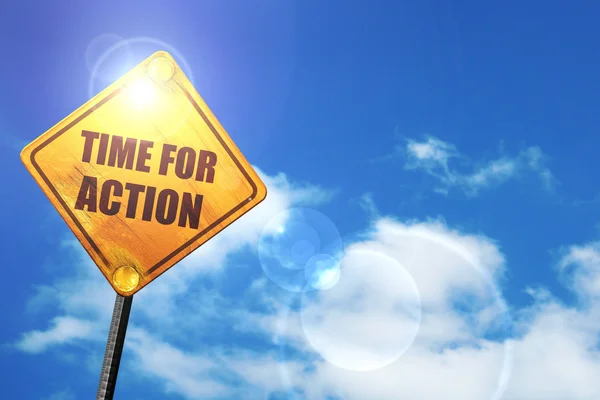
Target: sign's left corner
<point>27,154</point>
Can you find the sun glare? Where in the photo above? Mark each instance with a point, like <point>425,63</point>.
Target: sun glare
<point>141,92</point>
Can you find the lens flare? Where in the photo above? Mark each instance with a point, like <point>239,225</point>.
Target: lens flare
<point>300,249</point>
<point>322,271</point>
<point>141,93</point>
<point>369,318</point>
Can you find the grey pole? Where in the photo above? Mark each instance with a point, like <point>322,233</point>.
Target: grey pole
<point>114,348</point>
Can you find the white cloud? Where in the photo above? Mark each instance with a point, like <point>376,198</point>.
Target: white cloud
<point>66,394</point>
<point>367,203</point>
<point>557,358</point>
<point>580,267</point>
<point>63,330</point>
<point>554,355</point>
<point>180,372</point>
<point>369,320</point>
<point>459,350</point>
<point>206,374</point>
<point>432,151</point>
<point>436,157</point>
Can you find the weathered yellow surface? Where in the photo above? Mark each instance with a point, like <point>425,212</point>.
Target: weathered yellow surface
<point>150,129</point>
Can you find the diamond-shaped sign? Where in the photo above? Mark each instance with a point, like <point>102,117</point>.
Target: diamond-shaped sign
<point>143,174</point>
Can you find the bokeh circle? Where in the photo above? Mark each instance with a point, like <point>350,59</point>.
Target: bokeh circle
<point>344,324</point>
<point>327,335</point>
<point>300,249</point>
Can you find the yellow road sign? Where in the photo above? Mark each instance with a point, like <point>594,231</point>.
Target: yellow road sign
<point>143,174</point>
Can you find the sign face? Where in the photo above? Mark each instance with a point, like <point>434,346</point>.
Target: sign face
<point>143,174</point>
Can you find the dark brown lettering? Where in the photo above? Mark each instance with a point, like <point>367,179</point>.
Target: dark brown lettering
<point>149,203</point>
<point>115,206</point>
<point>88,144</point>
<point>101,159</point>
<point>134,195</point>
<point>166,158</point>
<point>143,156</point>
<point>190,212</point>
<point>184,167</point>
<point>206,166</point>
<point>166,206</point>
<point>121,154</point>
<point>87,196</point>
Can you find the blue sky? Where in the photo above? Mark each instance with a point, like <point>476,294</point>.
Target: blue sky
<point>451,147</point>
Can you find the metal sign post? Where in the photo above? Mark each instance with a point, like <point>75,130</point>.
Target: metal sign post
<point>114,348</point>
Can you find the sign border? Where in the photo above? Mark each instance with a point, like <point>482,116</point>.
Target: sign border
<point>184,246</point>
